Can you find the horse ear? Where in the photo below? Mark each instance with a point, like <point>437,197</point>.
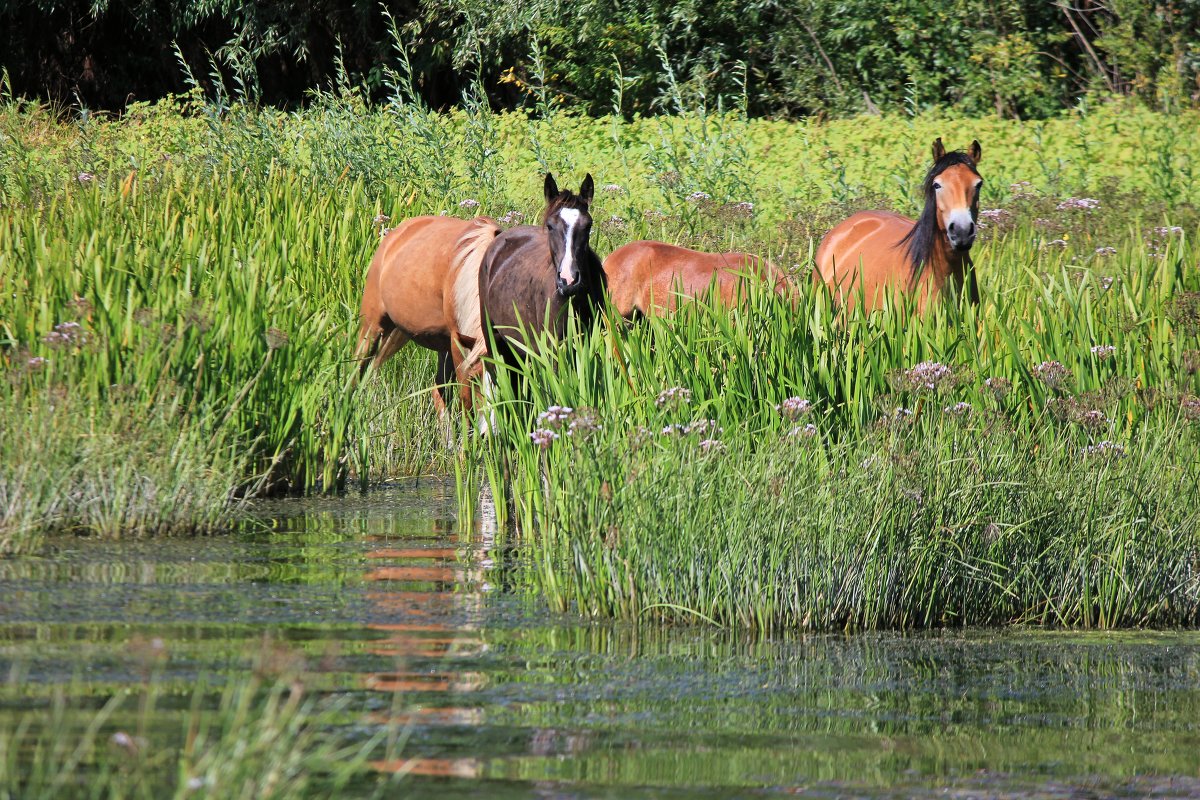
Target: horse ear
<point>939,149</point>
<point>975,151</point>
<point>587,189</point>
<point>551,187</point>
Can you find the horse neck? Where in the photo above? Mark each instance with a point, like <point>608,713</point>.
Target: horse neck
<point>945,263</point>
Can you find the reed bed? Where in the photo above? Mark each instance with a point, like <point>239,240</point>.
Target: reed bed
<point>1031,459</point>
<point>178,304</point>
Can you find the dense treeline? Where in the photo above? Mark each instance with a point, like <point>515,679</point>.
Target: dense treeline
<point>1023,58</point>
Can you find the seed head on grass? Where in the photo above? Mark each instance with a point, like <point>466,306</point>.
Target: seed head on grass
<point>276,338</point>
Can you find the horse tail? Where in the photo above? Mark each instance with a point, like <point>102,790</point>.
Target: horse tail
<point>464,270</point>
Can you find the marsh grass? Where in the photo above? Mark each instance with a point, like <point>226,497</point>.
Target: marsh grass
<point>197,264</point>
<point>1031,459</point>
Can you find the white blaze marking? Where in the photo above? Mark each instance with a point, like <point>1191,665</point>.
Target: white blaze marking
<point>566,270</point>
<point>960,217</point>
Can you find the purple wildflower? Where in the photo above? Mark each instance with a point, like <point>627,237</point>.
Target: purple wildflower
<point>1105,448</point>
<point>1103,351</point>
<point>1052,373</point>
<point>672,396</point>
<point>999,387</point>
<point>930,375</point>
<point>1079,203</point>
<point>543,437</point>
<point>794,407</point>
<point>469,203</point>
<point>806,431</point>
<point>555,416</point>
<point>959,409</point>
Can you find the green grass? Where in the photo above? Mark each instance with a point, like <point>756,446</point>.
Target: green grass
<point>1019,476</point>
<point>212,258</point>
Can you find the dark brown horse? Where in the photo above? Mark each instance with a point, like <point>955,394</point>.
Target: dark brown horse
<point>885,254</point>
<point>648,278</point>
<point>532,275</point>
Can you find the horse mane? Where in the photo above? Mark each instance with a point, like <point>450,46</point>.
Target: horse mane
<point>469,251</point>
<point>918,242</point>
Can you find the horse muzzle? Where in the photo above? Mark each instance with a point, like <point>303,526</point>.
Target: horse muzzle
<point>568,289</point>
<point>961,235</point>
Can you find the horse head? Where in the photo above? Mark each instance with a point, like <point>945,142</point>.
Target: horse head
<point>568,226</point>
<point>953,184</point>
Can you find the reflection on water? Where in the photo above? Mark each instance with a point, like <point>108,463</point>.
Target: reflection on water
<point>396,611</point>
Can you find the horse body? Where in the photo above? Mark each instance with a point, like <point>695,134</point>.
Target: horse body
<point>415,292</point>
<point>885,254</point>
<point>648,277</point>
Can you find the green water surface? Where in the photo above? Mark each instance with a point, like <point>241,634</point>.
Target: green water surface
<point>394,607</point>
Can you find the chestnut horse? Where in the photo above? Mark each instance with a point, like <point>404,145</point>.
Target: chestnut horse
<point>647,278</point>
<point>417,290</point>
<point>883,253</point>
<point>532,275</point>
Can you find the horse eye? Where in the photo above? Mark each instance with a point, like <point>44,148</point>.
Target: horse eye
<point>936,185</point>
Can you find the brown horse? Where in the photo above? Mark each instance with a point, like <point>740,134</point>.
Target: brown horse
<point>647,278</point>
<point>885,254</point>
<point>417,290</point>
<point>532,275</point>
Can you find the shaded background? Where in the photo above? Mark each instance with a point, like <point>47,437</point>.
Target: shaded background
<point>1017,58</point>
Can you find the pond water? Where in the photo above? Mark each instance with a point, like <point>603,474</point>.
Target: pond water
<point>401,613</point>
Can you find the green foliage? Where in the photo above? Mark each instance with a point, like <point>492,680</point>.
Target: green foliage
<point>1016,58</point>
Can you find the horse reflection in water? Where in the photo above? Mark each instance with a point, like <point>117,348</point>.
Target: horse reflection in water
<point>435,591</point>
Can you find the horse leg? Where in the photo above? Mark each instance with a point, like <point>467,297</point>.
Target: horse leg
<point>369,334</point>
<point>467,367</point>
<point>442,392</point>
<point>392,340</point>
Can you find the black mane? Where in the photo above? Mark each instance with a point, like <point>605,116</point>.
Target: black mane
<point>918,243</point>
